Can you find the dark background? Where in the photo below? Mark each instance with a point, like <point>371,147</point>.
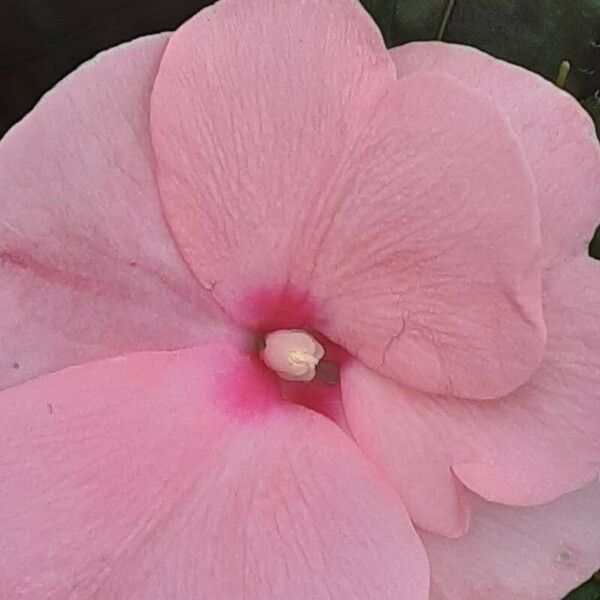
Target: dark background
<point>41,41</point>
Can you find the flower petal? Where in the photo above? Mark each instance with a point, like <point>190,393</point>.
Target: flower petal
<point>535,553</point>
<point>537,443</point>
<point>558,137</point>
<point>290,158</point>
<point>398,429</point>
<point>182,475</point>
<point>88,267</point>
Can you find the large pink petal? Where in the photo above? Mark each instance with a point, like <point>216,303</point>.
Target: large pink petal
<point>293,164</point>
<point>537,443</point>
<point>536,553</point>
<point>558,137</point>
<point>87,264</point>
<point>182,475</point>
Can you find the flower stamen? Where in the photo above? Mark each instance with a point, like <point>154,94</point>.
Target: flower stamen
<point>292,353</point>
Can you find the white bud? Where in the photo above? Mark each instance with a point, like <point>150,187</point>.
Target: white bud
<point>292,353</point>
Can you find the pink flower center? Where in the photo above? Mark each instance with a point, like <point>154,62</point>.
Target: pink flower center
<point>304,362</point>
<point>307,367</point>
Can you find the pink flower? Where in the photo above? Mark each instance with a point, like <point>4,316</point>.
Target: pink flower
<point>271,174</point>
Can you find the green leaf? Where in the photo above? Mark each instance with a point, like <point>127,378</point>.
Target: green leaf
<point>588,591</point>
<point>383,12</point>
<point>403,21</point>
<point>537,34</point>
<point>592,105</point>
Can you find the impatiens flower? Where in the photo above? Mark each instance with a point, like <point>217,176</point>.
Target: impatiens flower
<point>286,315</point>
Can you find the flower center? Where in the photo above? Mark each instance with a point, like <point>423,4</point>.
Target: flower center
<point>292,353</point>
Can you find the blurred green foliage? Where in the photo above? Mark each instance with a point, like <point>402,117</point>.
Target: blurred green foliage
<point>588,591</point>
